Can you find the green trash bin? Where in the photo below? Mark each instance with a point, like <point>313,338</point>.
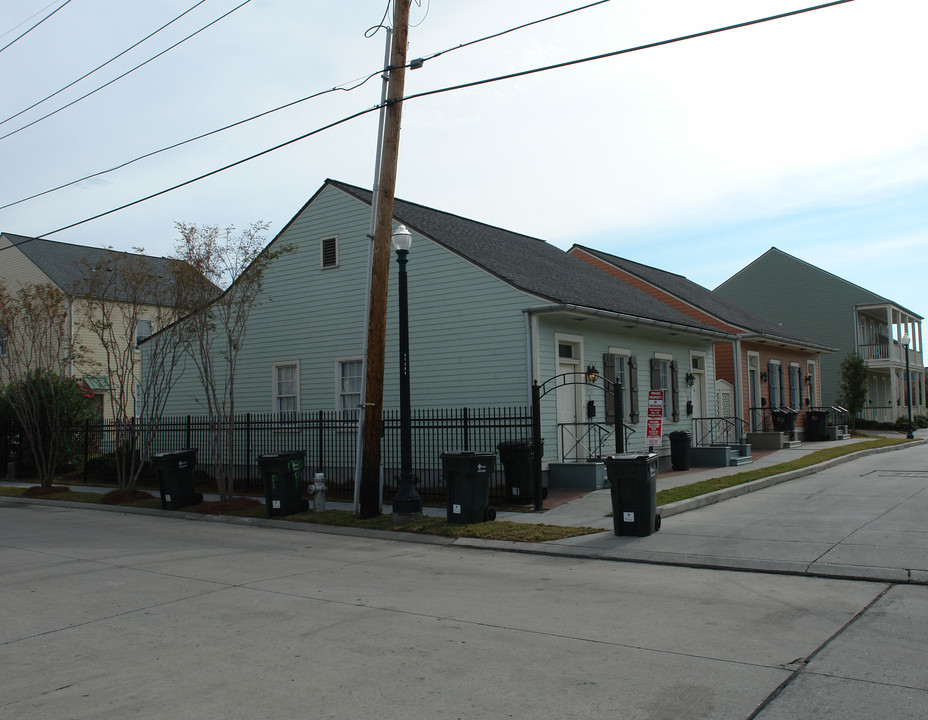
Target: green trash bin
<point>681,449</point>
<point>283,482</point>
<point>174,472</point>
<point>467,480</point>
<point>633,482</point>
<point>817,424</point>
<point>517,457</point>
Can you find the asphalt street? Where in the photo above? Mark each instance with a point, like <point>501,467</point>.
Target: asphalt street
<point>114,615</point>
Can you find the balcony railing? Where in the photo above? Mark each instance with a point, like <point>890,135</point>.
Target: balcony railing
<point>874,351</point>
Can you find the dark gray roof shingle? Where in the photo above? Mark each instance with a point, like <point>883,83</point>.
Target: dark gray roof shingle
<point>67,265</point>
<point>706,300</point>
<point>529,264</point>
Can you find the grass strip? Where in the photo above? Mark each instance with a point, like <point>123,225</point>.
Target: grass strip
<point>496,530</point>
<point>704,487</point>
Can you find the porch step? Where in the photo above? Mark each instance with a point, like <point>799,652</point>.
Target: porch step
<point>791,444</point>
<point>736,460</point>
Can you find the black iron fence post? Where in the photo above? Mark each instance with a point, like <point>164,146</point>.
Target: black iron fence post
<point>188,443</point>
<point>619,405</point>
<point>86,447</point>
<point>466,429</point>
<point>537,447</point>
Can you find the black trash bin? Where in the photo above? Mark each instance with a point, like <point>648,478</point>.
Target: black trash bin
<point>681,449</point>
<point>518,457</point>
<point>784,420</point>
<point>283,482</point>
<point>817,424</point>
<point>467,479</point>
<point>174,472</point>
<point>633,481</point>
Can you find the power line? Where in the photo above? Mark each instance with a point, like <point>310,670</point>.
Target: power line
<point>23,22</point>
<point>190,140</point>
<point>287,105</point>
<point>34,26</point>
<point>444,90</point>
<point>100,67</point>
<point>120,77</point>
<point>518,27</point>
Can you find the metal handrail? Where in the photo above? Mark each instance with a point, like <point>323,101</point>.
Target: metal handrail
<point>729,430</point>
<point>586,441</point>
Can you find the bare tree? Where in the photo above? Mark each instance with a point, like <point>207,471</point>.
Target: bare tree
<point>36,356</point>
<point>215,334</point>
<point>126,298</point>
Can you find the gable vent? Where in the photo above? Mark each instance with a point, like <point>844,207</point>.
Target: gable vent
<point>330,252</point>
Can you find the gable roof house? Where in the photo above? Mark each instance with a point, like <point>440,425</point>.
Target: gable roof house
<point>92,277</point>
<point>490,312</point>
<point>822,305</point>
<point>766,364</point>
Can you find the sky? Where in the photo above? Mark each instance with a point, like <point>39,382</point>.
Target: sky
<point>809,133</point>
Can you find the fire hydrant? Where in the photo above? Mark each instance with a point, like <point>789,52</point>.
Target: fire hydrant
<point>316,492</point>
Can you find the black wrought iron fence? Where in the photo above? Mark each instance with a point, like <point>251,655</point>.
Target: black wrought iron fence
<point>329,439</point>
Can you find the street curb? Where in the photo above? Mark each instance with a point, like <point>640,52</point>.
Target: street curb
<point>712,498</point>
<point>420,538</point>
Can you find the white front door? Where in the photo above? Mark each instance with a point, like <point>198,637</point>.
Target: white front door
<point>568,413</point>
<point>698,395</point>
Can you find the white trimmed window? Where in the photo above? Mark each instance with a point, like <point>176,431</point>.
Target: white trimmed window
<point>286,390</point>
<point>661,379</point>
<point>349,388</point>
<point>142,331</point>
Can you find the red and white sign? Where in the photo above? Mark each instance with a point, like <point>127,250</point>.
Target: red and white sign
<point>655,418</point>
<point>655,403</point>
<point>654,432</point>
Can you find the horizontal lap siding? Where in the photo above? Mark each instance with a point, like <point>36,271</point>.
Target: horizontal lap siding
<point>806,299</point>
<point>598,336</point>
<point>467,332</point>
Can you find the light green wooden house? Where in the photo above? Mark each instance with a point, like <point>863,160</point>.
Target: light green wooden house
<point>491,311</point>
<point>839,313</point>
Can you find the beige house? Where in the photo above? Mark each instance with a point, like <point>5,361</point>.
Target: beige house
<point>115,300</point>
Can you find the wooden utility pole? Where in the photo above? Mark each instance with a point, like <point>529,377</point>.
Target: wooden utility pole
<point>369,496</point>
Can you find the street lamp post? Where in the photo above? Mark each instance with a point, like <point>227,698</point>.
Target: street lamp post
<point>908,384</point>
<point>407,503</point>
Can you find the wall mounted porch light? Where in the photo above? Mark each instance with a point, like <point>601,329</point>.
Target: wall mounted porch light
<point>690,379</point>
<point>591,374</point>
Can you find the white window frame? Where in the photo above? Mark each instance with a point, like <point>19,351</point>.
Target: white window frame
<point>275,387</point>
<point>151,330</point>
<point>810,372</point>
<point>341,395</point>
<point>621,376</point>
<point>665,364</point>
<point>322,243</point>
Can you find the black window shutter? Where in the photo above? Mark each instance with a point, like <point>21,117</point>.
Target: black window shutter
<point>609,374</point>
<point>632,380</point>
<point>675,392</point>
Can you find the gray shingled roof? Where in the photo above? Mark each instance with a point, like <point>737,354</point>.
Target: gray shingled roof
<point>706,300</point>
<point>529,264</point>
<point>66,265</point>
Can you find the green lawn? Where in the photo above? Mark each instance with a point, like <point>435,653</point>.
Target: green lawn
<point>685,492</point>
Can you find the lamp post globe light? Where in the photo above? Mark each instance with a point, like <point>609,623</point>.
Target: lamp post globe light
<point>407,503</point>
<point>908,384</point>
